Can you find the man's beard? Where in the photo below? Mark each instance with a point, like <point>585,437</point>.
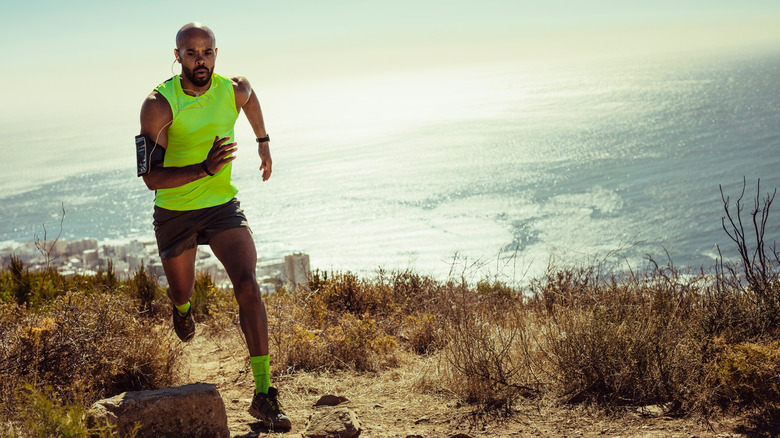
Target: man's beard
<point>197,81</point>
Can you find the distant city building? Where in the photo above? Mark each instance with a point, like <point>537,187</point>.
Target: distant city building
<point>297,270</point>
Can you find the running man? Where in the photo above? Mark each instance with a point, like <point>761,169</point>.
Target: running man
<point>188,122</point>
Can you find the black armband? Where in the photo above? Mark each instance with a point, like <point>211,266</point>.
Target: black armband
<point>148,154</point>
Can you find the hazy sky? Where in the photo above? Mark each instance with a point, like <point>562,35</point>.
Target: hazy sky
<point>82,51</point>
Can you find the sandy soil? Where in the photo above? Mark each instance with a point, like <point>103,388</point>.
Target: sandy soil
<point>388,405</point>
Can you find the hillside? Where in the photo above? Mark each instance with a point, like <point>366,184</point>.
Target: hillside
<point>578,352</point>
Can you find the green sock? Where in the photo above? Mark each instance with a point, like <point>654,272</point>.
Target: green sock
<point>183,309</point>
<point>261,369</point>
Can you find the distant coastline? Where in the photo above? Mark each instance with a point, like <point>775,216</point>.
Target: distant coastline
<point>88,256</point>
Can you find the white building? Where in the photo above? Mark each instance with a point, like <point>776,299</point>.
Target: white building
<point>297,270</point>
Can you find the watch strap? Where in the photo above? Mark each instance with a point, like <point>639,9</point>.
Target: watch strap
<point>205,169</point>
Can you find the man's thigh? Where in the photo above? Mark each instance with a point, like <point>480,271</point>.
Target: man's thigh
<point>235,248</point>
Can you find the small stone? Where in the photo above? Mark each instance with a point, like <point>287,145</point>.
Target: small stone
<point>331,400</point>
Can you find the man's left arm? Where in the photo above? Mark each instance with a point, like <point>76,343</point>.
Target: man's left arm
<point>246,99</point>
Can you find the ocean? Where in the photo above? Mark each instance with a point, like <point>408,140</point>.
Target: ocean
<point>490,170</point>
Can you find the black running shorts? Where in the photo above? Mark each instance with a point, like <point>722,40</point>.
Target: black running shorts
<point>178,231</point>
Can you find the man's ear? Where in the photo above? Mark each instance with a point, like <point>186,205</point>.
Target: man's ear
<point>176,54</point>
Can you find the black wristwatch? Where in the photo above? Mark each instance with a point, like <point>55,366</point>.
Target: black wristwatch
<point>264,139</point>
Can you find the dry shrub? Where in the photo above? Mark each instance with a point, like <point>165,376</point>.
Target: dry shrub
<point>488,355</point>
<point>688,340</point>
<point>414,293</point>
<point>758,259</point>
<point>745,374</point>
<point>86,347</point>
<point>423,333</point>
<point>622,340</point>
<point>736,313</point>
<point>11,316</point>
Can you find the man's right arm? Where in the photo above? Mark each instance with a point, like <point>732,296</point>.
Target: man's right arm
<point>156,117</point>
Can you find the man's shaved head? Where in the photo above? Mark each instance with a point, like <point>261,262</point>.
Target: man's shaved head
<point>192,29</point>
<point>196,52</point>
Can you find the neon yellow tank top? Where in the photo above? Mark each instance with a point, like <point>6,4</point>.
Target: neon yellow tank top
<point>196,121</point>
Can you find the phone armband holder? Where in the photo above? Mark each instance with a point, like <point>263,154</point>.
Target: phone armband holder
<point>148,154</point>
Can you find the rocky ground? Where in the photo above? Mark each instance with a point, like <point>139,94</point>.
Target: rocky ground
<point>388,405</point>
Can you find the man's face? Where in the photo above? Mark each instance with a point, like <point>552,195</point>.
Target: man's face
<point>197,55</point>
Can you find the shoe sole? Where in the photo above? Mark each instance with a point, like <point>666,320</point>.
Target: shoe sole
<point>268,424</point>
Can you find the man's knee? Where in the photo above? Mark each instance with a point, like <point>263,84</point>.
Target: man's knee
<point>246,289</point>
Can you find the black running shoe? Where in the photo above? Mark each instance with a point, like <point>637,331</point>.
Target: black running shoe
<point>184,326</point>
<point>266,408</point>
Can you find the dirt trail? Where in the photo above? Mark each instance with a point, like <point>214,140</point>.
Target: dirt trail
<point>388,406</point>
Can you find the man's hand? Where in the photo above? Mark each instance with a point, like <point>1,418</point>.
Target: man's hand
<point>220,154</point>
<point>264,150</point>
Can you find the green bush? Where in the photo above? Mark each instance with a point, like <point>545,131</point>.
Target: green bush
<point>43,415</point>
<point>21,281</point>
<point>145,290</point>
<point>213,306</point>
<point>204,294</point>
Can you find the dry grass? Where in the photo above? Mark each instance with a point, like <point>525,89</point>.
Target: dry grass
<point>575,335</point>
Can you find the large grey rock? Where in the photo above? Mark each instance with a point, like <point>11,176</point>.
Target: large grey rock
<point>332,423</point>
<point>194,410</point>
